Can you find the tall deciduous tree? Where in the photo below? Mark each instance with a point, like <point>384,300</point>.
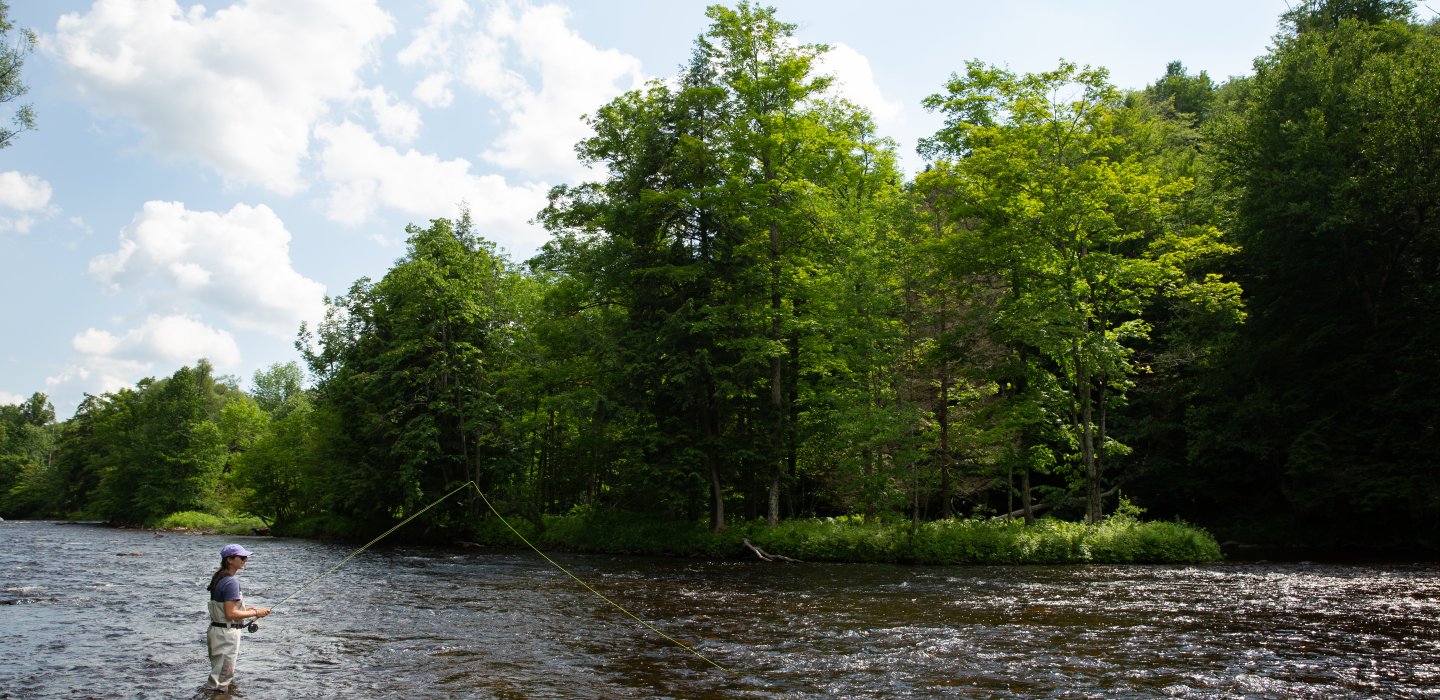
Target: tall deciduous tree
<point>278,386</point>
<point>160,448</point>
<point>1079,222</point>
<point>27,455</point>
<point>724,191</point>
<point>273,478</point>
<point>408,374</point>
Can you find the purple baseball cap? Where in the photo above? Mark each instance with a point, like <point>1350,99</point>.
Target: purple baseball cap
<point>233,550</point>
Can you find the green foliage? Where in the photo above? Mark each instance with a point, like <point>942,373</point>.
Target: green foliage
<point>160,449</point>
<point>410,373</point>
<point>188,520</point>
<point>1126,541</point>
<point>731,247</point>
<point>270,477</point>
<point>1326,412</point>
<point>750,314</point>
<point>323,526</point>
<point>278,387</point>
<point>1077,235</point>
<point>12,59</point>
<point>1326,15</point>
<point>27,448</point>
<point>1192,96</point>
<point>834,539</point>
<point>1120,539</point>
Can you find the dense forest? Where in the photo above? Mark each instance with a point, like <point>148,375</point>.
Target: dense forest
<point>1220,301</point>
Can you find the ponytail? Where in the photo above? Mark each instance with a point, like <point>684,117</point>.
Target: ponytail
<point>224,571</point>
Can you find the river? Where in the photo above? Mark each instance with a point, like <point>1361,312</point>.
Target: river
<point>95,612</point>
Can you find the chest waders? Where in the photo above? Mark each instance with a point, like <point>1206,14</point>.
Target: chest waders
<point>224,641</point>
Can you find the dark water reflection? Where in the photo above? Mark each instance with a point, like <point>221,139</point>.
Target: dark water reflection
<point>80,621</point>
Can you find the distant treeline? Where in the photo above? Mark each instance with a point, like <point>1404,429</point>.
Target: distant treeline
<point>1219,300</point>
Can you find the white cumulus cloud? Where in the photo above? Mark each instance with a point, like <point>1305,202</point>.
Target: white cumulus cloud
<point>367,174</point>
<point>236,263</point>
<point>431,42</point>
<point>574,77</point>
<point>538,71</point>
<point>399,122</point>
<point>855,81</point>
<point>29,195</point>
<point>23,192</point>
<point>169,340</point>
<point>434,90</point>
<point>182,267</point>
<point>237,89</point>
<point>93,341</point>
<point>110,362</point>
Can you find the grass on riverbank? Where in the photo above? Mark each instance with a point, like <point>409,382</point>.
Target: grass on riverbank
<point>1122,538</point>
<point>196,521</point>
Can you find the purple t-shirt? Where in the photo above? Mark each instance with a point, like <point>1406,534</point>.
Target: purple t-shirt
<point>227,588</point>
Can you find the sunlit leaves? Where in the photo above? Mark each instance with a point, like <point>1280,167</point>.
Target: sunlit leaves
<point>1075,225</point>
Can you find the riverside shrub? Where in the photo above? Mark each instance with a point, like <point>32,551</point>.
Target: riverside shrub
<point>189,520</point>
<point>206,522</point>
<point>1118,540</point>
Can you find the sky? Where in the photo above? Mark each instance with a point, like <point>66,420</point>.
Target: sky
<point>202,176</point>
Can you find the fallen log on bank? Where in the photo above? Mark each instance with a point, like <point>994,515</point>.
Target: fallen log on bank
<point>766,556</point>
<point>1038,509</point>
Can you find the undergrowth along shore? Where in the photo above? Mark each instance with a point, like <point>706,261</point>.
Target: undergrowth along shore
<point>1120,539</point>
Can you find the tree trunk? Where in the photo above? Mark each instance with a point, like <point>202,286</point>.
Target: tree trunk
<point>712,458</point>
<point>1026,506</point>
<point>717,500</point>
<point>1042,507</point>
<point>792,415</point>
<point>1104,386</point>
<point>869,460</point>
<point>943,417</point>
<point>1087,437</point>
<point>777,362</point>
<point>1029,512</point>
<point>1009,487</point>
<point>772,511</point>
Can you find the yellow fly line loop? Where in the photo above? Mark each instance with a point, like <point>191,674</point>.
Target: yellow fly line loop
<point>552,562</point>
<point>370,544</point>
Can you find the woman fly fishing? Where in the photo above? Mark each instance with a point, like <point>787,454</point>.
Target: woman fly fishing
<point>228,615</point>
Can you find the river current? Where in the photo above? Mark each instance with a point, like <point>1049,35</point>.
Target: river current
<point>94,612</point>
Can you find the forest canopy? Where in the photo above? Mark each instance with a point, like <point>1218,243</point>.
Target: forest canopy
<point>1216,300</point>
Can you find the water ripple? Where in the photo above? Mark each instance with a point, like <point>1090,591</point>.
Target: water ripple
<point>427,623</point>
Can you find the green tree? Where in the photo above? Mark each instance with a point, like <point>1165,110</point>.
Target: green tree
<point>770,140</point>
<point>1079,224</point>
<point>27,451</point>
<point>278,386</point>
<point>163,450</point>
<point>12,87</point>
<point>1183,94</point>
<point>710,239</point>
<point>409,369</point>
<point>1190,337</point>
<point>270,434</point>
<point>80,457</point>
<point>1325,15</point>
<point>1333,159</point>
<point>272,477</point>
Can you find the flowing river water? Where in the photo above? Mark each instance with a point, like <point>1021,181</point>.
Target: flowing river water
<point>94,612</point>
